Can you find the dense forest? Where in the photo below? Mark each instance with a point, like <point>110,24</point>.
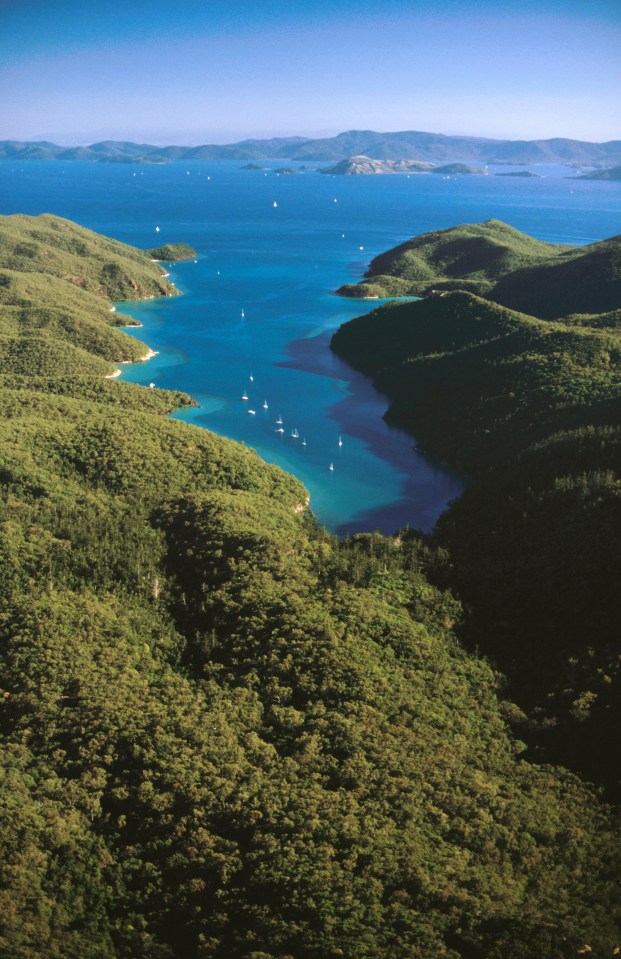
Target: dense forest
<point>225,732</point>
<point>497,262</point>
<point>528,407</point>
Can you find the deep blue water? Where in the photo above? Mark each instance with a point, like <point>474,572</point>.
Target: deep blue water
<point>276,247</point>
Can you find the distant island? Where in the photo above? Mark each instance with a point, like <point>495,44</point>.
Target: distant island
<point>614,173</point>
<point>173,252</point>
<point>520,173</point>
<point>159,160</point>
<point>284,170</point>
<point>367,166</point>
<point>400,146</point>
<point>459,169</point>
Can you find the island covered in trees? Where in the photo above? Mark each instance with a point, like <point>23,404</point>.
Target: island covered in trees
<point>173,252</point>
<point>225,732</point>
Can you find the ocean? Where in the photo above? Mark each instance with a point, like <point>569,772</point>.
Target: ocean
<point>259,307</point>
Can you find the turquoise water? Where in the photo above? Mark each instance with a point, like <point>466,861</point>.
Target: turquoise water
<point>280,264</point>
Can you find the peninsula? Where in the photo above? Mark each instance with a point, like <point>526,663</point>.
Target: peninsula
<point>494,260</point>
<point>510,370</point>
<point>614,173</point>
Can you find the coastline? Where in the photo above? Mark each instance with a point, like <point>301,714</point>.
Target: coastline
<point>143,359</point>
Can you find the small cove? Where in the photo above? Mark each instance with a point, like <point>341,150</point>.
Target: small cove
<point>280,265</point>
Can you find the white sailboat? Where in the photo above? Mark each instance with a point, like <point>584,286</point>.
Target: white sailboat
<point>265,406</point>
<point>340,441</point>
<point>331,466</point>
<point>294,434</point>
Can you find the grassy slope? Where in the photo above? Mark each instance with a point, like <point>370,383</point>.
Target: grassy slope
<point>493,260</point>
<point>56,283</point>
<point>226,734</point>
<point>47,244</point>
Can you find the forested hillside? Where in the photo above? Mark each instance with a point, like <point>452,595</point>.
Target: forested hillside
<point>226,733</point>
<point>530,411</point>
<point>497,262</point>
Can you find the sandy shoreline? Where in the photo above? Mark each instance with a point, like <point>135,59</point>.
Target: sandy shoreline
<point>143,359</point>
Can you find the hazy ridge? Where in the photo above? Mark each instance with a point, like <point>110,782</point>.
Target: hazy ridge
<point>406,145</point>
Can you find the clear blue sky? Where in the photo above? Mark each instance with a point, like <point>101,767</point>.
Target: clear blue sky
<point>195,71</point>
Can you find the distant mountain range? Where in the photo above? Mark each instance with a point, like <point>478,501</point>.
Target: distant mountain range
<point>408,145</point>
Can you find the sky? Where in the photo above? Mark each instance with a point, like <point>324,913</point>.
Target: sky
<point>195,71</point>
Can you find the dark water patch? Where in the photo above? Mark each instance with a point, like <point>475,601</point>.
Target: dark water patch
<point>427,486</point>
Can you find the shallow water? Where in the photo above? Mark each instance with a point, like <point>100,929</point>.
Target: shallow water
<point>276,247</point>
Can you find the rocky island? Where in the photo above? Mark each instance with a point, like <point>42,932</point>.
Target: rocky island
<point>365,166</point>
